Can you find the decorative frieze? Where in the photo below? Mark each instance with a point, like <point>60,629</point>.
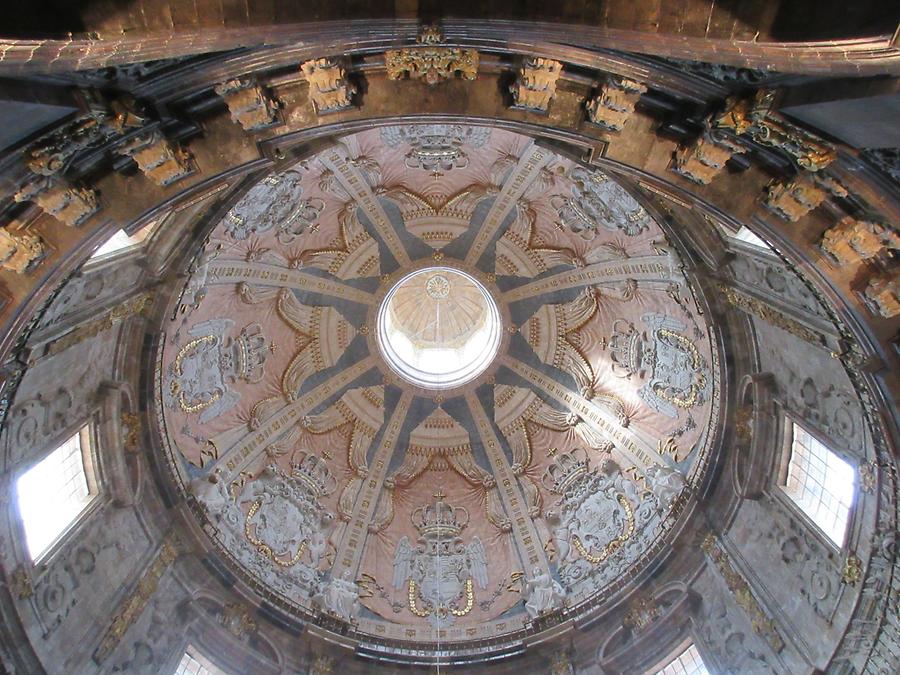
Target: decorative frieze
<point>793,199</point>
<point>68,204</point>
<point>770,315</point>
<point>882,294</point>
<point>614,103</point>
<point>757,119</point>
<point>329,88</point>
<point>249,104</point>
<point>131,307</point>
<point>535,85</point>
<point>134,604</point>
<point>852,241</point>
<point>705,158</point>
<point>159,159</point>
<point>740,590</point>
<point>20,253</point>
<point>431,62</point>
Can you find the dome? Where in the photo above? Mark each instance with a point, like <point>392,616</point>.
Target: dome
<point>545,391</point>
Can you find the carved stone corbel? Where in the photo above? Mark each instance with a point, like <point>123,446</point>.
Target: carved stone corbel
<point>882,294</point>
<point>249,104</point>
<point>159,159</point>
<point>535,85</point>
<point>68,204</point>
<point>852,241</point>
<point>431,62</point>
<point>20,253</point>
<point>793,199</point>
<point>614,103</point>
<point>705,158</point>
<point>329,88</point>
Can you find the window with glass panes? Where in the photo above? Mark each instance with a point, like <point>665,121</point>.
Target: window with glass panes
<point>54,492</point>
<point>687,662</point>
<point>820,483</point>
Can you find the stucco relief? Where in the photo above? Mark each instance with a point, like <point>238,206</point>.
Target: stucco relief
<point>771,276</point>
<point>461,193</point>
<point>436,147</point>
<point>441,573</point>
<point>726,636</point>
<point>274,203</point>
<point>596,203</point>
<point>600,523</point>
<point>200,376</point>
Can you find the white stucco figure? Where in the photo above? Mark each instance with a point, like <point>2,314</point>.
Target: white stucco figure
<point>340,596</point>
<point>666,484</point>
<point>542,593</point>
<point>211,491</point>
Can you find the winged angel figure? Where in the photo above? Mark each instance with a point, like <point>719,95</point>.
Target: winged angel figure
<point>440,572</point>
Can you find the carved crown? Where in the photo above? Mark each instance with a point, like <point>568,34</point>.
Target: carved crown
<point>624,348</point>
<point>250,353</point>
<point>440,519</point>
<point>313,473</point>
<point>567,470</point>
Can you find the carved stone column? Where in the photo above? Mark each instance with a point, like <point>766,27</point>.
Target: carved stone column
<point>614,103</point>
<point>705,158</point>
<point>535,86</point>
<point>160,160</point>
<point>249,104</point>
<point>329,89</point>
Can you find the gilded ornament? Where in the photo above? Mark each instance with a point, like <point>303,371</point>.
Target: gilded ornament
<point>868,477</point>
<point>851,572</point>
<point>20,253</point>
<point>249,104</point>
<point>614,102</point>
<point>237,619</point>
<point>329,88</point>
<point>431,62</point>
<point>535,85</point>
<point>131,428</point>
<point>757,119</point>
<point>21,583</point>
<point>740,590</point>
<point>642,611</point>
<point>769,315</point>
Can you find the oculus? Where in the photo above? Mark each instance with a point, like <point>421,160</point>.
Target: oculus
<point>438,328</point>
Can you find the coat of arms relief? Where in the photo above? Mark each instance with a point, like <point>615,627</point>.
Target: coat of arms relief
<point>677,375</point>
<point>277,525</point>
<point>200,376</point>
<point>600,523</point>
<point>440,573</point>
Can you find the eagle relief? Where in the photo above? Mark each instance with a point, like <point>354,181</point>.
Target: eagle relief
<point>440,572</point>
